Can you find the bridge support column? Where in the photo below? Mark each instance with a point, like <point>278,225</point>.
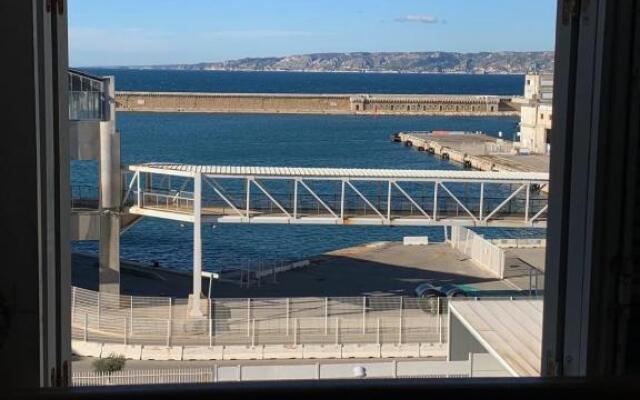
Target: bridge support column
<point>110,192</point>
<point>196,303</point>
<point>109,257</point>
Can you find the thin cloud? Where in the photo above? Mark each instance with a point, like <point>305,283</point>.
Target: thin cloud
<point>423,19</point>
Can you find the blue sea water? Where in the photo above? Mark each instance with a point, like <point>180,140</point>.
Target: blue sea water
<point>311,82</point>
<point>278,140</point>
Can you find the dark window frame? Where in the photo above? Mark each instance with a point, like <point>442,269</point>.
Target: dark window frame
<point>594,59</point>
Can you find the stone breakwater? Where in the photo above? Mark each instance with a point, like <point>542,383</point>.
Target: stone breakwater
<point>273,103</point>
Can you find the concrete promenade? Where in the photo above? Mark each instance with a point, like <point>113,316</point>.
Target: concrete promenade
<point>274,103</point>
<point>376,269</point>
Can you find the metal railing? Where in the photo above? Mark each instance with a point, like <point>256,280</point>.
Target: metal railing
<point>288,321</point>
<point>353,205</point>
<point>144,377</point>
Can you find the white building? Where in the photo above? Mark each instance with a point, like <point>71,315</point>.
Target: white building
<point>536,113</point>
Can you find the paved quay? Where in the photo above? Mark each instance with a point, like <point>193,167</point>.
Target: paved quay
<point>378,269</point>
<point>475,150</point>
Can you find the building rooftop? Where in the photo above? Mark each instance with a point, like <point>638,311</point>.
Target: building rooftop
<point>510,330</point>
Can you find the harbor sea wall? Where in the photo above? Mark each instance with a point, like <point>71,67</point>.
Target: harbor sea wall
<point>315,103</point>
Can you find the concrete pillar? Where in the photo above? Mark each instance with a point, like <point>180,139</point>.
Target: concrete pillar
<point>109,258</point>
<point>196,306</point>
<point>110,192</point>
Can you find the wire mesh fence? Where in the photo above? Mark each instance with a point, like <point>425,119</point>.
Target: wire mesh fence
<point>256,321</point>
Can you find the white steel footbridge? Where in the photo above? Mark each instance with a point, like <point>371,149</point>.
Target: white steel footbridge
<point>285,195</point>
<point>200,194</point>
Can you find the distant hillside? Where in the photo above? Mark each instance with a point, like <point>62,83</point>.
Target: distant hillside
<point>435,62</point>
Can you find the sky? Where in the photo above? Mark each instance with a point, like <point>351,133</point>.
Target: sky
<point>149,32</point>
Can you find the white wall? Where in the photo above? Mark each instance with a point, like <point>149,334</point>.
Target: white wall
<point>481,251</point>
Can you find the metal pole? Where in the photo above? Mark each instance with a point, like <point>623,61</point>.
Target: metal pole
<point>470,365</point>
<point>389,202</point>
<point>481,201</point>
<point>526,204</point>
<point>439,321</point>
<point>168,333</point>
<point>337,331</point>
<point>326,315</point>
<point>378,332</point>
<point>253,332</point>
<point>364,315</point>
<point>197,245</point>
<point>295,199</point>
<point>249,317</point>
<point>288,313</point>
<point>318,371</point>
<point>395,368</point>
<point>248,198</point>
<point>139,197</point>
<point>342,201</point>
<point>400,331</point>
<point>295,331</point>
<point>210,332</point>
<point>131,314</point>
<point>435,200</point>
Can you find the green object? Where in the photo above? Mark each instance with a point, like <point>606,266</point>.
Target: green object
<point>113,363</point>
<point>467,288</point>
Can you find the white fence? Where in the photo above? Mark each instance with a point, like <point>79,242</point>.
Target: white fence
<point>481,250</point>
<point>144,377</point>
<point>239,373</point>
<point>105,318</point>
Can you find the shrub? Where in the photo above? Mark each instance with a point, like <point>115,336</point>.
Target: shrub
<point>113,363</point>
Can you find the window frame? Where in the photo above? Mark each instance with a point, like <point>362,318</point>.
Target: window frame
<point>573,344</point>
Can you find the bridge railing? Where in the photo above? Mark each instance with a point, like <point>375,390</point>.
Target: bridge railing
<point>354,206</point>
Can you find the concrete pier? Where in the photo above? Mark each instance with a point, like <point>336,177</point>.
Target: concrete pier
<point>475,151</point>
<point>273,103</point>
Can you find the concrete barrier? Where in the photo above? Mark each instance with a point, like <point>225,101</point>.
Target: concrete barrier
<point>162,353</point>
<point>415,240</point>
<point>361,351</point>
<point>202,353</point>
<point>86,349</point>
<point>408,350</point>
<point>282,352</point>
<point>433,350</point>
<point>311,351</point>
<point>243,353</point>
<point>128,351</point>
